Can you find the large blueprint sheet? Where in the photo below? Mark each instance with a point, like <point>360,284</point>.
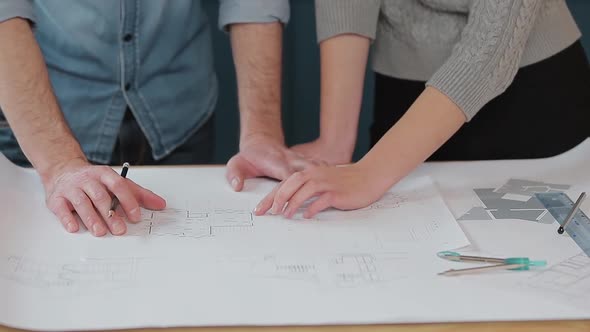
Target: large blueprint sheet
<point>207,260</point>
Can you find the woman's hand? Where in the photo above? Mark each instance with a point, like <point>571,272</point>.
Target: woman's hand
<point>345,188</point>
<point>430,122</point>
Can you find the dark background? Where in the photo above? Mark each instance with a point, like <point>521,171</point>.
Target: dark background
<point>301,85</point>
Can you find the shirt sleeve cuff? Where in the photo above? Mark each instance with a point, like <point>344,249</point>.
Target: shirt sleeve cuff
<point>466,86</point>
<point>16,8</point>
<point>253,11</point>
<point>336,17</point>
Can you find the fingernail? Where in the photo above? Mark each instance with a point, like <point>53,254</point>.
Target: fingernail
<point>97,229</point>
<point>234,183</point>
<point>71,227</point>
<point>273,209</point>
<point>135,214</point>
<point>118,228</point>
<point>279,209</point>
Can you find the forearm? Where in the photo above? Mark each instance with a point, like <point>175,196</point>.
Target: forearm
<point>28,102</point>
<point>343,61</point>
<point>257,51</point>
<point>427,125</point>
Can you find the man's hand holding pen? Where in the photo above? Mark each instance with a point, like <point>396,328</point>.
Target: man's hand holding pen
<point>88,190</point>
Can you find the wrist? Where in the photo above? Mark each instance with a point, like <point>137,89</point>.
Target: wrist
<point>51,171</point>
<point>381,175</point>
<point>341,146</point>
<point>337,130</point>
<point>249,137</point>
<point>371,185</point>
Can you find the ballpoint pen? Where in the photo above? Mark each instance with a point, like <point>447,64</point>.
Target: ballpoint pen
<point>115,201</point>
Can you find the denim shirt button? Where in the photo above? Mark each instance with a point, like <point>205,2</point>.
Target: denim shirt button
<point>127,86</point>
<point>128,37</point>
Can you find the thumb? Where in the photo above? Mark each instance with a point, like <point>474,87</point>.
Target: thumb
<point>238,170</point>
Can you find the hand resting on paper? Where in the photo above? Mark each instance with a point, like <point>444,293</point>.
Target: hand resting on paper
<point>424,128</point>
<point>263,156</point>
<point>87,190</point>
<point>345,187</point>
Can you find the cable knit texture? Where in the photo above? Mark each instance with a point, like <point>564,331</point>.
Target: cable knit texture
<point>470,50</point>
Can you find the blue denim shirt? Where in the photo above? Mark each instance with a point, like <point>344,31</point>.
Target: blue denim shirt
<point>154,57</point>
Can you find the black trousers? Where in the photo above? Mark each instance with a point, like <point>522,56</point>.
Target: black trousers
<point>544,112</point>
<point>132,146</point>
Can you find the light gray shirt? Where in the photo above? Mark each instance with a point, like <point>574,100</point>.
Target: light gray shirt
<point>470,50</point>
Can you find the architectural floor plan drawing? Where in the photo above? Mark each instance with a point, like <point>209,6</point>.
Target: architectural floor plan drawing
<point>514,200</point>
<point>198,220</point>
<point>346,270</point>
<point>570,277</point>
<point>70,278</point>
<point>192,223</point>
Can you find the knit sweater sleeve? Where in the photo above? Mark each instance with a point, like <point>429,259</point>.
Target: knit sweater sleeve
<point>336,17</point>
<point>486,58</point>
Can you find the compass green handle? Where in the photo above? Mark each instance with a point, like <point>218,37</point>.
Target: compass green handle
<point>525,261</point>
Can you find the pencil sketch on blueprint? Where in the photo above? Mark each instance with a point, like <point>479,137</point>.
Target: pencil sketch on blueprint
<point>71,277</point>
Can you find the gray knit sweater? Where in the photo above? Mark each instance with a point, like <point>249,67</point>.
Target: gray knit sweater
<point>470,50</point>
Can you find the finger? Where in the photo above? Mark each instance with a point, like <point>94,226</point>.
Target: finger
<point>120,188</point>
<point>307,191</point>
<point>147,198</point>
<point>266,203</point>
<point>323,202</point>
<point>300,164</point>
<point>87,212</point>
<point>299,154</point>
<point>322,163</point>
<point>239,169</point>
<point>286,191</point>
<point>59,207</point>
<point>102,202</point>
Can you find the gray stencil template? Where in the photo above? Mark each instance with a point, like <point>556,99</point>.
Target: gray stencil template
<point>514,200</point>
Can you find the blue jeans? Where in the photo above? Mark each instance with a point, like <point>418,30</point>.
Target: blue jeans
<point>131,146</point>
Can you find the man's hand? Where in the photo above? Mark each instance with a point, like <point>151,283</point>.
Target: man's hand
<point>71,183</point>
<point>88,190</point>
<point>321,150</point>
<point>263,156</point>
